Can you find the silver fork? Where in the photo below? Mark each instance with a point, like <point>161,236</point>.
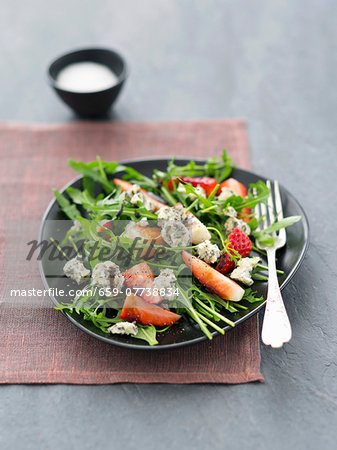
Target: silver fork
<point>276,328</point>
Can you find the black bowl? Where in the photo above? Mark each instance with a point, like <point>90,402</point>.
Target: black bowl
<point>89,103</point>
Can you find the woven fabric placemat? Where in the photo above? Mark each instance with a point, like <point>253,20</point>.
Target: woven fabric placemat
<point>38,343</point>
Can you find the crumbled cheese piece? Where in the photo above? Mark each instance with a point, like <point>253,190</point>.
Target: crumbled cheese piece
<point>168,213</point>
<point>233,222</point>
<point>225,193</point>
<point>175,234</point>
<point>165,282</point>
<point>77,226</point>
<point>135,195</point>
<point>181,188</point>
<point>181,209</point>
<point>208,252</point>
<point>134,189</point>
<point>143,222</point>
<point>230,212</point>
<point>75,270</point>
<point>140,197</point>
<point>107,275</point>
<point>198,189</point>
<point>243,271</point>
<point>124,328</point>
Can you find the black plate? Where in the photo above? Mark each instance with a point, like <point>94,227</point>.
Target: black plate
<point>185,331</point>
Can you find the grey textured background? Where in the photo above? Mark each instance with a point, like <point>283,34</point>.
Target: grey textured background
<point>271,62</point>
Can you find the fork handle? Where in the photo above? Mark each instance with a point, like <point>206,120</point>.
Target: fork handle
<point>276,328</point>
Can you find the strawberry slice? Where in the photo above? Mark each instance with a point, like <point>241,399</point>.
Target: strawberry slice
<point>141,276</point>
<point>138,310</point>
<point>213,280</point>
<point>238,189</point>
<point>240,242</point>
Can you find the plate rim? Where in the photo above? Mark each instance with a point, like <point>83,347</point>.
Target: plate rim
<point>214,333</point>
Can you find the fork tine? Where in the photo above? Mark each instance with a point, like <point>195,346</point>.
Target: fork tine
<point>257,212</point>
<point>278,202</point>
<point>279,209</point>
<point>270,203</point>
<point>264,215</point>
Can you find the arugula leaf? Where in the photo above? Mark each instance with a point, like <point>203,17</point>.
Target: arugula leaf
<point>89,186</point>
<point>80,197</point>
<point>69,210</point>
<point>142,180</point>
<point>257,193</point>
<point>283,223</point>
<point>147,333</point>
<point>265,237</point>
<point>250,296</point>
<point>212,168</point>
<point>75,194</point>
<point>192,190</point>
<point>89,170</point>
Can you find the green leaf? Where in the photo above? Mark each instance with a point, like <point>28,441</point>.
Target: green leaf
<point>69,210</point>
<point>282,224</point>
<point>212,168</point>
<point>265,237</point>
<point>147,333</point>
<point>81,197</point>
<point>90,170</point>
<point>192,190</point>
<point>75,194</point>
<point>251,297</point>
<point>89,186</point>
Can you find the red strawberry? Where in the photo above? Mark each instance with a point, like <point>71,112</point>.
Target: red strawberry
<point>240,242</point>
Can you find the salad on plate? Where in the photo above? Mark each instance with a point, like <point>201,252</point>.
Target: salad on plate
<point>147,251</point>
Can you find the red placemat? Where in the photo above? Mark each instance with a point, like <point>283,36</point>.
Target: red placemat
<point>39,344</point>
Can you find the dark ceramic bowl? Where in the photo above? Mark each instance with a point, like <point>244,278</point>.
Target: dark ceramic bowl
<point>89,103</point>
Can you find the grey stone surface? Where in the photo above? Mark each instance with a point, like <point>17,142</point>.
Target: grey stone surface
<point>271,62</point>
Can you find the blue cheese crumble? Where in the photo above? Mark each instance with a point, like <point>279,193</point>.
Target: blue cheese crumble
<point>175,234</point>
<point>165,282</point>
<point>208,252</point>
<point>124,328</point>
<point>106,275</point>
<point>243,270</point>
<point>135,195</point>
<point>75,270</point>
<point>230,211</point>
<point>168,213</point>
<point>234,222</point>
<point>225,194</point>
